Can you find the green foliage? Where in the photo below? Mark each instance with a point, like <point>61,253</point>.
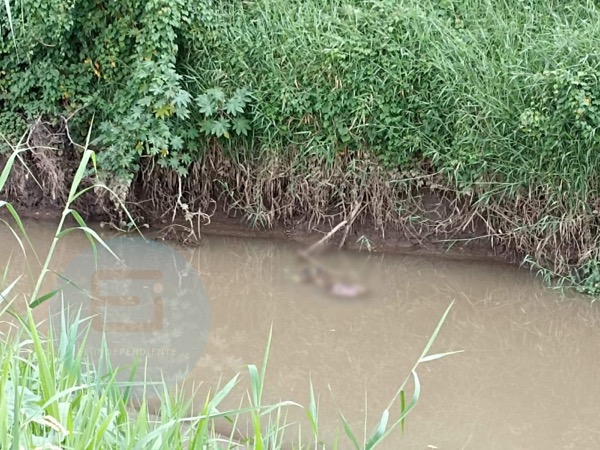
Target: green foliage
<point>499,98</point>
<point>92,409</point>
<point>222,114</point>
<point>588,281</point>
<point>114,60</point>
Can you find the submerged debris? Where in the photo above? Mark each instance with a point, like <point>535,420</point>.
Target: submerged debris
<point>331,283</point>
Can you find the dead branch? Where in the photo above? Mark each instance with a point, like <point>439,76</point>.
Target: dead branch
<point>325,238</point>
<point>353,214</point>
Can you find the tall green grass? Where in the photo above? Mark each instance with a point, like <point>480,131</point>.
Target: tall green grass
<point>52,396</point>
<point>498,99</point>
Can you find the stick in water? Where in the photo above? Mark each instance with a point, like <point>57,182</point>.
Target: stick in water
<point>325,238</point>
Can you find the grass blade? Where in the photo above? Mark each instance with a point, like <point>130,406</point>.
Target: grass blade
<point>6,291</point>
<point>349,432</point>
<point>313,412</point>
<point>436,331</point>
<point>379,431</point>
<point>19,223</point>
<point>402,408</point>
<point>44,298</point>
<point>8,167</point>
<point>89,232</point>
<point>439,356</point>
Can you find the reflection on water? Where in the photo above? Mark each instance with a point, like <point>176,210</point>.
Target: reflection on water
<point>528,378</point>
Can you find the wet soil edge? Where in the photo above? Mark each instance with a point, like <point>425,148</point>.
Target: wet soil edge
<point>222,224</point>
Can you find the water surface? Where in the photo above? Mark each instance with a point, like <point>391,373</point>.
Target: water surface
<point>528,377</point>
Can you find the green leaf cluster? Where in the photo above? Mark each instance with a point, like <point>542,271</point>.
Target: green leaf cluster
<point>222,114</point>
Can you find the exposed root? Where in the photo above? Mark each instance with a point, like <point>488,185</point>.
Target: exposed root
<point>189,216</point>
<point>43,143</point>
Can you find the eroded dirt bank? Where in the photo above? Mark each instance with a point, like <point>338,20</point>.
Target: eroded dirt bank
<point>373,210</point>
<point>363,237</point>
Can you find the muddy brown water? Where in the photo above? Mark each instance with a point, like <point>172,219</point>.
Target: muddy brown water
<point>528,378</point>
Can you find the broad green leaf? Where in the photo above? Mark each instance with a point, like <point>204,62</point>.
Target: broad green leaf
<point>16,236</point>
<point>91,232</point>
<point>234,106</point>
<point>163,111</point>
<point>244,94</point>
<point>182,98</point>
<point>17,219</point>
<point>10,24</point>
<point>46,365</point>
<point>266,410</point>
<point>176,143</point>
<point>83,226</point>
<point>206,105</point>
<point>79,175</point>
<point>216,94</point>
<point>220,128</point>
<point>240,126</point>
<point>206,126</point>
<point>313,412</point>
<point>406,410</point>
